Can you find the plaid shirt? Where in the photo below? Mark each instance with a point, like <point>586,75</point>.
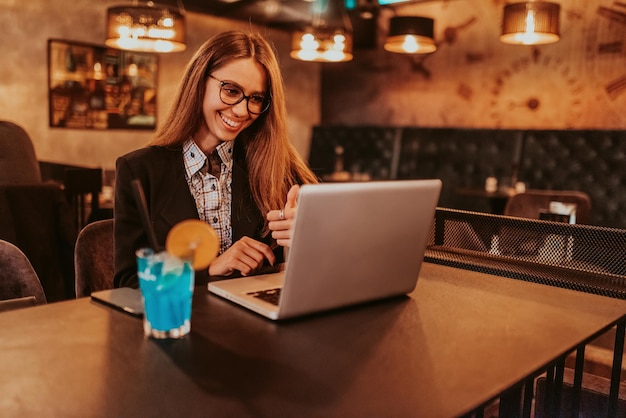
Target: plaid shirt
<point>213,194</point>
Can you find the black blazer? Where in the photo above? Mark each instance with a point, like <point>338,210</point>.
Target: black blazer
<point>161,171</point>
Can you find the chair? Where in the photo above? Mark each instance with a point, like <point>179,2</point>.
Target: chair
<point>18,161</point>
<point>532,202</point>
<point>19,284</point>
<point>37,219</point>
<point>94,258</point>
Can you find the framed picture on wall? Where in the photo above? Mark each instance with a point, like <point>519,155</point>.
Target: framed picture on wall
<point>96,87</point>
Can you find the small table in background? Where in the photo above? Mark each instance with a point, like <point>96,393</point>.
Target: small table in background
<point>497,200</point>
<point>80,182</point>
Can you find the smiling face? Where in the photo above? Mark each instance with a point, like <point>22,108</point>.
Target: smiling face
<point>224,122</point>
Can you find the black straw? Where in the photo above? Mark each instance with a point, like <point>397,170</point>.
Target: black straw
<point>140,199</point>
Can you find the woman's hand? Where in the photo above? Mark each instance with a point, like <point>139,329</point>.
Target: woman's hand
<point>281,221</point>
<point>246,255</point>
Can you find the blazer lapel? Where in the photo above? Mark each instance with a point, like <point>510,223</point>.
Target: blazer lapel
<point>177,203</point>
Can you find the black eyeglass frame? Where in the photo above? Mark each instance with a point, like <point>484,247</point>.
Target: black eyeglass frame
<point>267,98</point>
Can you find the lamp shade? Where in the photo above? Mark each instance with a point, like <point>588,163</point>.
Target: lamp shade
<point>411,35</point>
<point>530,23</point>
<point>146,28</point>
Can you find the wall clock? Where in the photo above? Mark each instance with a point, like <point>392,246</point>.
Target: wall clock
<point>606,55</point>
<point>522,93</point>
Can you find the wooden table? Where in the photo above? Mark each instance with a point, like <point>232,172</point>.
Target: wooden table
<point>456,342</point>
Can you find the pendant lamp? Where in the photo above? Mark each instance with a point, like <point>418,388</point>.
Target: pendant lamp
<point>148,27</point>
<point>328,39</point>
<point>411,35</point>
<point>530,23</point>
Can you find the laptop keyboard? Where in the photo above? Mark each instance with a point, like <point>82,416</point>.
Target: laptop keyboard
<point>268,295</point>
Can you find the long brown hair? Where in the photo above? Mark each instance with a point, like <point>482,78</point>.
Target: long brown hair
<point>273,163</point>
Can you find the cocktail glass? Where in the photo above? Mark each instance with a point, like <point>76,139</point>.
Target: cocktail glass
<point>166,284</point>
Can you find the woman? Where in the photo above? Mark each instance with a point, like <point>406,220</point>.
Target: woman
<point>222,155</point>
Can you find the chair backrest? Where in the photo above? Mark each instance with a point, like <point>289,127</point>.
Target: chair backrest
<point>18,279</point>
<point>532,202</point>
<point>94,258</point>
<point>18,161</point>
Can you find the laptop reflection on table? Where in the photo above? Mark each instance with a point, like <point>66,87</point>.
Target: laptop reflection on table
<point>351,243</point>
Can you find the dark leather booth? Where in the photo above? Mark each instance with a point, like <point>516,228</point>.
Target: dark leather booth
<point>590,161</point>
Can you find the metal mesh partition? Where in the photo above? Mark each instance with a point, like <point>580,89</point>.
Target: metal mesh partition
<point>579,257</point>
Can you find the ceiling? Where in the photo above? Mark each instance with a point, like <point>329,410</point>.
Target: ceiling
<point>280,14</point>
<point>290,15</point>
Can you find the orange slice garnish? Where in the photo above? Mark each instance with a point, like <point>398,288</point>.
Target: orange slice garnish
<point>193,239</point>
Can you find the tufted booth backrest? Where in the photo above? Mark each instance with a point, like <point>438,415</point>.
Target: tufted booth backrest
<point>366,149</point>
<point>590,161</point>
<point>461,158</point>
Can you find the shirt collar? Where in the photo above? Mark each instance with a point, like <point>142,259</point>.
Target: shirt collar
<point>225,151</point>
<point>195,159</point>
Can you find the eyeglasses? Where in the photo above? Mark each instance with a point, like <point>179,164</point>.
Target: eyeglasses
<point>231,94</point>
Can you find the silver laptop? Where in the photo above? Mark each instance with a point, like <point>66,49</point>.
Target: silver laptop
<point>351,243</point>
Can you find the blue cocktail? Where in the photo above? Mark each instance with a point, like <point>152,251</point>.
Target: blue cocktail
<point>166,284</point>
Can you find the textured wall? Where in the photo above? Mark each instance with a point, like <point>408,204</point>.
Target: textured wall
<point>26,28</point>
<point>474,80</point>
